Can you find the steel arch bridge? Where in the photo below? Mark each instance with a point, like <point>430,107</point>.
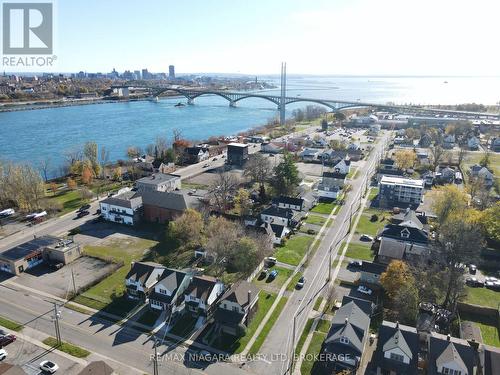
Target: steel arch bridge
<point>334,105</point>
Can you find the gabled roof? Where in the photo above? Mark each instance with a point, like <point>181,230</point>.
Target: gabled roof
<point>289,200</point>
<point>443,349</point>
<point>396,231</point>
<point>178,201</point>
<point>410,219</point>
<point>201,287</point>
<point>239,293</point>
<point>141,271</point>
<point>374,268</point>
<point>278,230</point>
<point>157,179</point>
<point>129,199</point>
<point>336,175</point>
<point>491,360</point>
<point>171,280</point>
<point>97,368</point>
<point>286,213</point>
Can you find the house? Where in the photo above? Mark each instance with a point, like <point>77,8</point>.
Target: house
<point>44,249</point>
<point>388,164</point>
<point>397,350</point>
<point>202,294</point>
<point>473,143</point>
<point>428,178</point>
<point>158,182</point>
<point>343,166</point>
<point>296,204</point>
<point>489,358</point>
<point>281,216</point>
<point>449,141</point>
<point>396,190</point>
<point>237,307</point>
<point>353,146</point>
<point>97,368</point>
<point>335,178</point>
<point>309,154</point>
<point>450,355</point>
<point>483,173</point>
<point>195,154</point>
<point>444,175</point>
<point>333,157</point>
<point>237,153</point>
<point>141,278</point>
<point>168,291</point>
<point>345,342</point>
<point>355,155</point>
<point>331,184</point>
<point>495,144</point>
<point>370,272</point>
<point>399,242</point>
<point>279,232</point>
<point>368,307</point>
<point>271,148</point>
<point>161,207</point>
<point>124,208</point>
<point>425,140</point>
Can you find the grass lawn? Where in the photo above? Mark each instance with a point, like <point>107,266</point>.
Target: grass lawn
<point>65,347</point>
<point>294,281</point>
<point>294,250</point>
<point>483,297</point>
<point>323,326</point>
<point>10,324</point>
<point>312,351</point>
<point>488,327</point>
<point>324,208</point>
<point>69,199</point>
<point>366,226</point>
<point>317,304</point>
<point>149,318</point>
<point>315,219</point>
<point>184,326</point>
<point>267,327</point>
<point>352,173</point>
<point>283,275</point>
<point>303,336</point>
<point>359,251</point>
<point>109,293</point>
<point>373,193</point>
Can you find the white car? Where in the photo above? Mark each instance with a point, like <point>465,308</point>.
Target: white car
<point>365,290</point>
<point>49,367</point>
<point>3,354</point>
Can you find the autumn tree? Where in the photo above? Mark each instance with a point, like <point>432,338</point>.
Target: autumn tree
<point>259,169</point>
<point>286,176</point>
<point>396,275</point>
<point>447,200</point>
<point>337,145</point>
<point>71,184</point>
<point>405,159</point>
<point>242,202</point>
<point>117,173</point>
<point>53,188</point>
<point>87,175</point>
<point>188,227</point>
<point>222,235</point>
<point>491,224</point>
<point>222,189</point>
<point>133,152</point>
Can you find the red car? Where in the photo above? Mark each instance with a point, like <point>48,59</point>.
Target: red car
<point>6,340</point>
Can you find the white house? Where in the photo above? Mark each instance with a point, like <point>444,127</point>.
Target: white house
<point>277,215</point>
<point>309,154</point>
<point>159,182</point>
<point>171,284</point>
<point>296,204</point>
<point>123,208</point>
<point>201,294</point>
<point>473,143</point>
<point>141,278</point>
<point>343,166</point>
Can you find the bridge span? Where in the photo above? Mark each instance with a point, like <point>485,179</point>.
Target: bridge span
<point>332,104</point>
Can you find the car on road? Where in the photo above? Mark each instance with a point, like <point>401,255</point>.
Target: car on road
<point>474,282</point>
<point>49,366</point>
<point>205,165</point>
<point>472,269</point>
<point>301,282</point>
<point>7,212</point>
<point>56,266</point>
<point>365,237</point>
<point>272,275</point>
<point>214,159</point>
<point>6,340</point>
<point>85,207</point>
<point>355,264</point>
<point>493,285</point>
<point>82,214</point>
<point>365,290</point>
<point>3,354</point>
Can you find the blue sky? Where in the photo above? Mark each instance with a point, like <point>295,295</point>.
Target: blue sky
<point>315,37</point>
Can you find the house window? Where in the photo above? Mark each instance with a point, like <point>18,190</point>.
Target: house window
<point>397,357</point>
<point>162,291</point>
<point>235,308</point>
<point>344,340</point>
<point>450,371</point>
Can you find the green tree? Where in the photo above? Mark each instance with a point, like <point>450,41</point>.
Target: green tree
<point>258,168</point>
<point>286,176</point>
<point>244,257</point>
<point>405,303</point>
<point>242,202</point>
<point>447,200</point>
<point>491,223</point>
<point>187,228</point>
<point>395,276</point>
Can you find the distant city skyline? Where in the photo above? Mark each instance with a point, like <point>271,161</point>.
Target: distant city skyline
<point>321,37</point>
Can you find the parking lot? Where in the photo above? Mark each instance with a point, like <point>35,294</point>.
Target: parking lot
<point>59,283</point>
<point>29,356</point>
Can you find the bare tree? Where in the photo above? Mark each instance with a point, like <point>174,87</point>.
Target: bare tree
<point>258,168</point>
<point>222,190</point>
<point>437,155</point>
<point>462,153</point>
<point>44,166</point>
<point>103,158</point>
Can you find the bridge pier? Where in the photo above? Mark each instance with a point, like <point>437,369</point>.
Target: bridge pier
<point>232,104</point>
<point>190,101</point>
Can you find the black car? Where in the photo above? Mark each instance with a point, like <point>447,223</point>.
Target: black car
<point>84,208</point>
<point>355,264</point>
<point>82,214</point>
<point>56,266</point>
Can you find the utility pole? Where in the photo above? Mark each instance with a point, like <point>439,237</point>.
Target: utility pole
<point>57,315</point>
<point>155,360</point>
<point>293,344</point>
<point>330,264</point>
<point>74,284</point>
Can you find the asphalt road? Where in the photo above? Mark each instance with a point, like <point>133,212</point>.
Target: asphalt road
<point>275,353</point>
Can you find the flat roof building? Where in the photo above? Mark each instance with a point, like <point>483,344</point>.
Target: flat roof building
<point>395,190</point>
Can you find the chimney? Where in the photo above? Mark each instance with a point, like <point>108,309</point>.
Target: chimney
<point>448,337</point>
<point>346,320</point>
<point>397,324</point>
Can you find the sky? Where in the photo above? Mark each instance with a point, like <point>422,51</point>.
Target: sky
<point>358,37</point>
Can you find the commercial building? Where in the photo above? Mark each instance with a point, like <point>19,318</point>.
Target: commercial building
<point>159,182</point>
<point>32,253</point>
<point>171,72</point>
<point>237,153</point>
<point>123,208</point>
<point>394,190</point>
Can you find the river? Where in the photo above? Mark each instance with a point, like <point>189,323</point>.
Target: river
<point>35,135</point>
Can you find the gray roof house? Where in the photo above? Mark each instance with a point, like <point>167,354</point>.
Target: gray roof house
<point>171,284</point>
<point>450,355</point>
<point>345,342</point>
<point>483,173</point>
<point>397,350</point>
<point>141,278</point>
<point>123,208</point>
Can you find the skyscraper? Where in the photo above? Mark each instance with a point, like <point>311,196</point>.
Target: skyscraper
<point>171,72</point>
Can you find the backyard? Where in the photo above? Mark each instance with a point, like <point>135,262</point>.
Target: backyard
<point>359,251</point>
<point>316,220</point>
<point>482,297</point>
<point>294,249</point>
<point>324,208</point>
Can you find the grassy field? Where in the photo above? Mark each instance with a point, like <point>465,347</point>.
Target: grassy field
<point>70,200</point>
<point>323,326</point>
<point>294,250</point>
<point>474,158</point>
<point>373,193</point>
<point>483,297</point>
<point>366,226</point>
<point>488,327</point>
<point>10,324</point>
<point>65,347</point>
<point>283,275</point>
<point>267,327</point>
<point>359,251</point>
<point>108,293</point>
<point>312,351</point>
<point>317,304</point>
<point>303,336</point>
<point>324,208</point>
<point>316,220</point>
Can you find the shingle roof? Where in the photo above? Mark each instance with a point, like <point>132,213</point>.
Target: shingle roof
<point>374,268</point>
<point>239,293</point>
<point>201,287</point>
<point>444,349</point>
<point>129,199</point>
<point>97,368</point>
<point>414,234</point>
<point>288,200</point>
<point>171,279</point>
<point>140,271</point>
<point>286,213</point>
<point>337,175</point>
<point>157,179</point>
<point>169,200</point>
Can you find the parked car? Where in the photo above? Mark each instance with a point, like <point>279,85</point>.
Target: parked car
<point>3,354</point>
<point>301,282</point>
<point>49,367</point>
<point>271,261</point>
<point>272,275</point>
<point>472,269</point>
<point>490,278</point>
<point>474,282</point>
<point>85,207</point>
<point>493,285</point>
<point>355,264</point>
<point>6,340</point>
<point>82,214</point>
<point>214,159</point>
<point>263,273</point>
<point>7,212</point>
<point>205,165</point>
<point>365,290</point>
<point>365,237</point>
<point>56,266</point>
